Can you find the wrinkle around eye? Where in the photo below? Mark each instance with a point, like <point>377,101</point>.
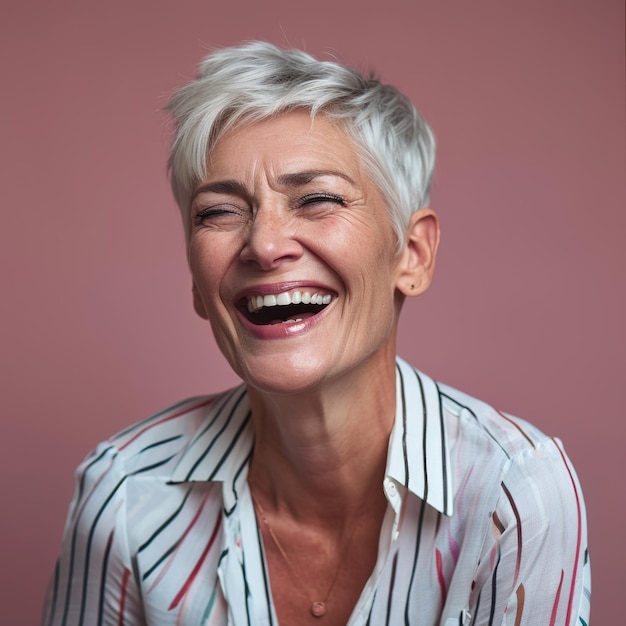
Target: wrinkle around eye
<point>223,213</point>
<point>320,198</point>
<point>319,204</point>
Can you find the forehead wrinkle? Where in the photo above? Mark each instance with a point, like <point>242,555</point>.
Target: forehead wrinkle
<point>298,179</point>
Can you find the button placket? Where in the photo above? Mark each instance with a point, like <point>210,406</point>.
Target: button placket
<point>395,500</point>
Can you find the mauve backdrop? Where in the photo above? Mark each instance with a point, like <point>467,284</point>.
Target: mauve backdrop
<point>527,310</point>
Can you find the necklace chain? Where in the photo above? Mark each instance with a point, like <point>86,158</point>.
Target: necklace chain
<point>318,607</point>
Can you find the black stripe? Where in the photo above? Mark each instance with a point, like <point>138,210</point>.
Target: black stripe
<point>392,582</point>
<point>480,593</point>
<point>424,435</point>
<point>218,434</point>
<point>492,610</point>
<point>238,473</point>
<point>160,443</point>
<point>486,430</point>
<point>105,566</point>
<point>178,541</point>
<point>165,524</point>
<point>88,551</point>
<point>147,468</point>
<point>415,558</point>
<point>222,557</point>
<point>156,416</point>
<point>369,617</point>
<point>266,582</point>
<point>246,587</point>
<point>218,408</point>
<point>81,486</point>
<point>72,554</point>
<point>231,445</point>
<point>161,558</point>
<point>443,454</point>
<point>404,451</point>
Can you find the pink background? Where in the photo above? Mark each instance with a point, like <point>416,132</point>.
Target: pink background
<point>527,311</point>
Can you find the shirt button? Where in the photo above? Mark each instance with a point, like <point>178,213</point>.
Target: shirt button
<point>390,489</point>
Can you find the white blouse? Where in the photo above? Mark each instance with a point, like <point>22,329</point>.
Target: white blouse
<point>485,522</point>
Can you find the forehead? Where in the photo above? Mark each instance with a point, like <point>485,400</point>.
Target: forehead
<point>290,141</point>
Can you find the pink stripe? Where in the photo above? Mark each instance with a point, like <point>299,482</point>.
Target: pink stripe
<point>180,542</point>
<point>196,569</point>
<point>508,419</point>
<point>187,409</point>
<point>555,606</point>
<point>120,615</point>
<point>442,582</point>
<point>578,537</point>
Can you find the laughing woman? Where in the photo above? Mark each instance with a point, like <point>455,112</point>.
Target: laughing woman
<point>337,485</point>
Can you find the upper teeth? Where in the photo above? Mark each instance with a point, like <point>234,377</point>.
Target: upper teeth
<point>296,297</point>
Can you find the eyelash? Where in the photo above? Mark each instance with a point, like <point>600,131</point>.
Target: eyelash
<point>308,199</point>
<point>312,198</point>
<point>209,212</point>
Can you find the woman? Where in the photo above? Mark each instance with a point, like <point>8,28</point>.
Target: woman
<point>337,485</point>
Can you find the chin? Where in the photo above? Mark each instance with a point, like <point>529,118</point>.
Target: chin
<point>281,374</point>
<point>283,383</point>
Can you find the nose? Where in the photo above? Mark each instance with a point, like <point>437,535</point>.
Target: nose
<point>270,240</point>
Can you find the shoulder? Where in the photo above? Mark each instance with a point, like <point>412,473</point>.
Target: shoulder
<point>126,503</point>
<point>470,418</point>
<point>530,472</point>
<point>464,419</point>
<point>488,451</point>
<point>154,446</point>
<point>137,465</point>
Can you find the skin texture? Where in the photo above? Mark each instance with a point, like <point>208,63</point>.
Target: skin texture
<point>286,204</point>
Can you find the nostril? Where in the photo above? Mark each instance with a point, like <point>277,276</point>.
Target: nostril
<point>269,244</point>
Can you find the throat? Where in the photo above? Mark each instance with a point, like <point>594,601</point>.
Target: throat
<point>317,574</point>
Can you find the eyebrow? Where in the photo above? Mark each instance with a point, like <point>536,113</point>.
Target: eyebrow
<point>295,179</point>
<point>222,186</point>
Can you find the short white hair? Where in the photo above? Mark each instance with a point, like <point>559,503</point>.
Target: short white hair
<point>258,80</point>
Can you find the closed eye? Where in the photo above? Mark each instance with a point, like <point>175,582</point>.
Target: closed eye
<point>316,198</point>
<point>213,213</point>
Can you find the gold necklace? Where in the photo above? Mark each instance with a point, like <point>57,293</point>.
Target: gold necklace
<point>318,607</point>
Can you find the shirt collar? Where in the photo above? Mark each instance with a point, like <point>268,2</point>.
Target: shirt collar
<point>418,455</point>
<point>222,447</point>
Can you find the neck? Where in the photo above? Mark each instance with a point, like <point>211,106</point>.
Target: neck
<point>317,454</point>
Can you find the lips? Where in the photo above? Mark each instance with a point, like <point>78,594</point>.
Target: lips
<point>286,306</point>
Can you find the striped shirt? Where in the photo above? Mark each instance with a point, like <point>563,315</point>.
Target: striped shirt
<point>485,522</point>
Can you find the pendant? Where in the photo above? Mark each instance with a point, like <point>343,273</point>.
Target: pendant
<point>318,609</point>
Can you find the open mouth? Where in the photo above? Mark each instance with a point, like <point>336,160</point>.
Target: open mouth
<point>287,307</point>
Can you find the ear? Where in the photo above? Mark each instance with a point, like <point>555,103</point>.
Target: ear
<point>198,304</point>
<point>417,259</point>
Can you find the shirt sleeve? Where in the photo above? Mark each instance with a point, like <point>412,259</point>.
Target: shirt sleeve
<point>535,566</point>
<point>93,582</point>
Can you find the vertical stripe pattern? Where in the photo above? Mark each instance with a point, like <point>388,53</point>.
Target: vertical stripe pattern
<point>486,520</point>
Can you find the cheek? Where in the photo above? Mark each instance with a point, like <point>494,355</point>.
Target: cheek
<point>207,268</point>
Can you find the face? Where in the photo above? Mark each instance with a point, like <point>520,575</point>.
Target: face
<point>293,258</point>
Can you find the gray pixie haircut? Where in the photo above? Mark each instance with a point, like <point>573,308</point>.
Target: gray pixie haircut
<point>256,81</point>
